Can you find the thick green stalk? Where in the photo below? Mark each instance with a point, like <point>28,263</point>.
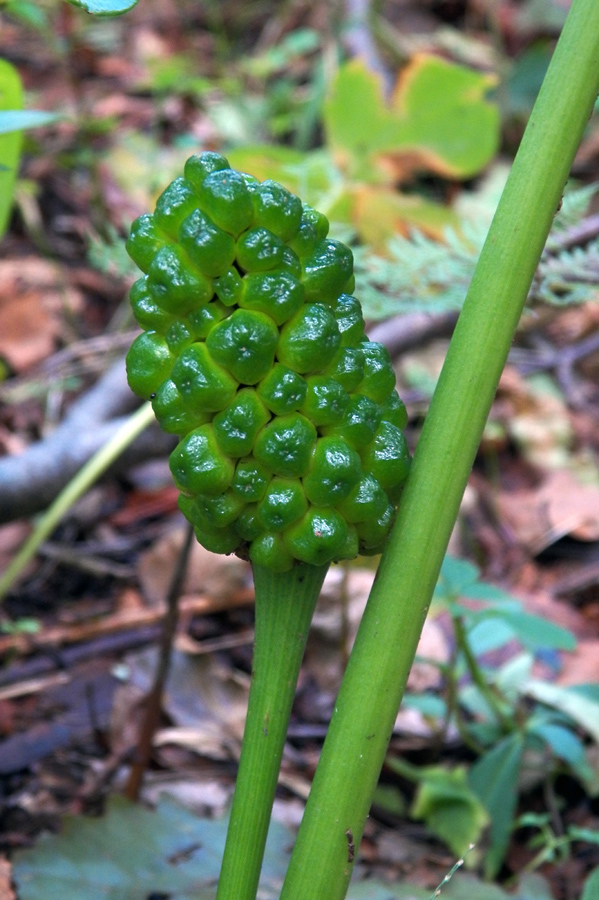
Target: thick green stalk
<point>377,672</point>
<point>284,608</point>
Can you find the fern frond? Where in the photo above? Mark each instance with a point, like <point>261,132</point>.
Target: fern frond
<point>420,274</point>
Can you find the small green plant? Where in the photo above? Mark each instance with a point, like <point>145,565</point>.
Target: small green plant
<point>552,847</point>
<point>496,715</point>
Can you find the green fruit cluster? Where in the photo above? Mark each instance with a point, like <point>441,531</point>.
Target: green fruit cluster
<point>254,353</point>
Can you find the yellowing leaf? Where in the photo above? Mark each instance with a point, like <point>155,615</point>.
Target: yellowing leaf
<point>378,213</point>
<point>11,98</point>
<point>439,120</point>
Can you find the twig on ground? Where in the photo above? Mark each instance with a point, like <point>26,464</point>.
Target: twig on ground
<point>153,705</point>
<point>31,481</point>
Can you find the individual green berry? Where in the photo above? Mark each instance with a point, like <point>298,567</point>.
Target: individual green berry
<point>199,466</point>
<point>318,538</point>
<point>149,363</point>
<point>259,250</point>
<point>179,336</point>
<point>387,457</point>
<point>379,377</point>
<point>366,500</point>
<point>278,293</point>
<point>277,209</point>
<point>270,551</point>
<point>283,390</point>
<point>347,367</point>
<point>244,343</point>
<point>350,321</point>
<point>202,164</point>
<point>237,425</point>
<point>250,480</point>
<point>175,284</point>
<point>230,287</point>
<point>144,241</point>
<point>204,385</point>
<point>309,340</point>
<point>360,421</point>
<point>202,320</point>
<point>394,411</point>
<point>217,540</point>
<point>210,248</point>
<point>248,525</point>
<point>225,197</point>
<point>326,400</point>
<point>327,270</point>
<point>172,414</point>
<point>335,469</point>
<point>373,532</point>
<point>285,445</point>
<point>283,504</point>
<point>148,314</point>
<point>220,510</point>
<point>174,204</point>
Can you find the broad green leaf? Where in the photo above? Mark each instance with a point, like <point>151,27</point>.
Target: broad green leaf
<point>531,631</point>
<point>357,96</point>
<point>456,575</point>
<point>564,743</point>
<point>131,853</point>
<point>589,835</point>
<point>446,802</point>
<point>439,120</point>
<point>447,119</point>
<point>430,705</point>
<point>591,886</point>
<point>494,779</point>
<point>488,634</point>
<point>19,119</point>
<point>11,98</point>
<point>581,709</point>
<point>105,7</point>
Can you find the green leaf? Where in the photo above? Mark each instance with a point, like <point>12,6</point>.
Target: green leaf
<point>589,835</point>
<point>429,705</point>
<point>564,743</point>
<point>445,801</point>
<point>19,119</point>
<point>591,886</point>
<point>494,779</point>
<point>537,633</point>
<point>11,98</point>
<point>456,575</point>
<point>438,120</point>
<point>105,7</point>
<point>579,708</point>
<point>132,852</point>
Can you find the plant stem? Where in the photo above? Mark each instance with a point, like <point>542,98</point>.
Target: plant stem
<point>83,480</point>
<point>487,690</point>
<point>378,668</point>
<point>284,608</point>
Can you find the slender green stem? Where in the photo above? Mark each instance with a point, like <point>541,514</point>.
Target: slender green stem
<point>488,691</point>
<point>83,480</point>
<point>378,668</point>
<point>284,608</point>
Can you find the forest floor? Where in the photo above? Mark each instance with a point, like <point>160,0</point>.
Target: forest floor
<point>81,625</point>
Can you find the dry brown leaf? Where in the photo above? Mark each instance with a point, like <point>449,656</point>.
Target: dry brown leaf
<point>581,666</point>
<point>33,297</point>
<point>210,574</point>
<point>560,506</point>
